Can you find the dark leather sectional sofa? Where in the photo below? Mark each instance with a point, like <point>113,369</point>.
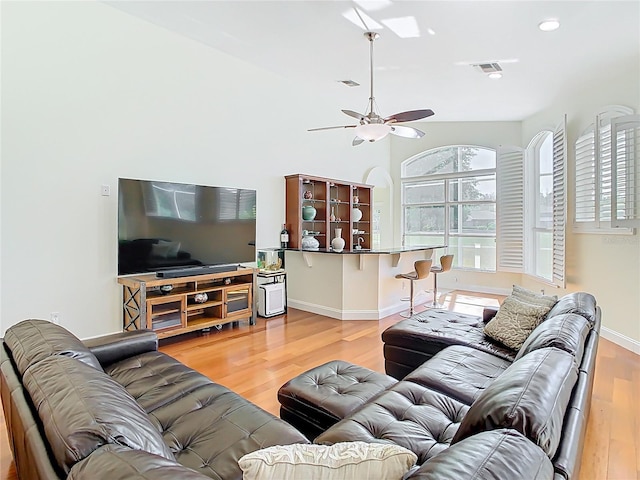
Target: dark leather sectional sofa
<point>116,405</point>
<point>465,386</point>
<point>116,408</point>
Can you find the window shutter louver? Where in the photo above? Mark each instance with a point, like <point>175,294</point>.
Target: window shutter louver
<point>559,202</point>
<point>603,203</point>
<point>585,194</point>
<point>625,171</point>
<point>510,209</point>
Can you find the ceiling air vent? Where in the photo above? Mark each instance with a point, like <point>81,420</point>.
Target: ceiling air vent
<point>349,83</point>
<point>489,67</point>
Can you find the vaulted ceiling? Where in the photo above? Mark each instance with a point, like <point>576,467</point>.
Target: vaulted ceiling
<point>315,43</point>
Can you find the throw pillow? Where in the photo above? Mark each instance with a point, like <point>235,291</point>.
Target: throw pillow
<point>515,321</point>
<point>529,296</point>
<point>346,460</point>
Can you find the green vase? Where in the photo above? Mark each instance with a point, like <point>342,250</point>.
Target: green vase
<point>308,212</point>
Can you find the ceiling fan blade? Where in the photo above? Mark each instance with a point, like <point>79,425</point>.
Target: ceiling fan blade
<point>331,128</point>
<point>357,141</point>
<point>408,132</point>
<point>408,116</point>
<point>353,114</point>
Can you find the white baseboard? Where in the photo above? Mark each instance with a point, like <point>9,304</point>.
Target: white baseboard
<point>619,339</point>
<point>348,314</point>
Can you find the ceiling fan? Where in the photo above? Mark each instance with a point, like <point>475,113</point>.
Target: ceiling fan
<point>372,126</point>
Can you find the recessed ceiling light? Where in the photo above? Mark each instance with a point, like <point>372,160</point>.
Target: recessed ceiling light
<point>495,75</point>
<point>431,31</point>
<point>549,25</point>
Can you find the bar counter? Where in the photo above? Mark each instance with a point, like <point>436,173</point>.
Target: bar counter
<point>353,284</point>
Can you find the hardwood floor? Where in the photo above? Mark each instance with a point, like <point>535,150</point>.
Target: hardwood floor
<point>256,360</point>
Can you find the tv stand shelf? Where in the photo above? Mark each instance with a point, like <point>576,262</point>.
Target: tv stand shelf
<point>229,300</point>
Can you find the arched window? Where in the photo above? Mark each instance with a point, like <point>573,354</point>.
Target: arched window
<point>449,197</point>
<point>539,218</point>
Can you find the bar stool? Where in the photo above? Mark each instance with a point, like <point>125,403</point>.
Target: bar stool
<point>445,265</point>
<point>422,268</point>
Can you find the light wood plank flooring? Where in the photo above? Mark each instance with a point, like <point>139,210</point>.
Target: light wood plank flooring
<point>256,360</point>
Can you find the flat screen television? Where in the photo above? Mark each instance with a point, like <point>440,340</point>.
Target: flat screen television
<point>164,225</point>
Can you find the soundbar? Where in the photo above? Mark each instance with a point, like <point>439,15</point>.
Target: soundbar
<point>189,271</point>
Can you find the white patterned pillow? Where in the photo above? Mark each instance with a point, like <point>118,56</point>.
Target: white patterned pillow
<point>515,321</point>
<point>346,461</point>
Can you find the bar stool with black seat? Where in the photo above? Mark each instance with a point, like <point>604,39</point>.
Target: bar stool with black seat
<point>446,261</point>
<point>422,268</point>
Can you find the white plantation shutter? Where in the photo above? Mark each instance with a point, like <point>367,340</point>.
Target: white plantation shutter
<point>585,181</point>
<point>594,181</point>
<point>625,171</point>
<point>510,209</point>
<point>559,202</point>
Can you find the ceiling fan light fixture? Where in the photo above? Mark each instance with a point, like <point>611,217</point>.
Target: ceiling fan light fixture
<point>372,131</point>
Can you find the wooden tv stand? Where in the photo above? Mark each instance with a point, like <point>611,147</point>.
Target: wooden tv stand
<point>229,299</point>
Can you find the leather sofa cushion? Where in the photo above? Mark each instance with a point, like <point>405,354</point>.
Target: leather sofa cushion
<point>207,426</point>
<point>408,414</point>
<point>531,396</point>
<point>459,372</point>
<point>31,341</point>
<point>116,462</point>
<point>498,454</point>
<point>566,331</point>
<point>82,409</point>
<point>580,303</point>
<point>434,330</point>
<point>155,379</point>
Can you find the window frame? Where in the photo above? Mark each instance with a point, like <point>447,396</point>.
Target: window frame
<point>533,175</point>
<point>447,202</point>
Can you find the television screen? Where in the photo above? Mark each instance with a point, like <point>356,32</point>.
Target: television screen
<point>164,225</point>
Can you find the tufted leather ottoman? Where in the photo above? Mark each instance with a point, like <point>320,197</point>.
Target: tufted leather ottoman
<point>318,398</point>
<point>411,342</point>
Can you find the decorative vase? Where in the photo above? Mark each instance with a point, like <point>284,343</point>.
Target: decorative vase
<point>356,214</point>
<point>200,297</point>
<point>310,243</point>
<point>338,242</point>
<point>307,195</point>
<point>309,213</point>
<point>332,217</point>
<point>356,199</point>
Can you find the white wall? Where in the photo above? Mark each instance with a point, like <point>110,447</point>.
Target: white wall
<point>608,266</point>
<point>90,94</point>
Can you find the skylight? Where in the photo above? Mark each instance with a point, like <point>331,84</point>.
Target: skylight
<point>404,27</point>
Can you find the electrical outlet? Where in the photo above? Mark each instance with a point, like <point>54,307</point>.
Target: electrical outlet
<point>54,317</point>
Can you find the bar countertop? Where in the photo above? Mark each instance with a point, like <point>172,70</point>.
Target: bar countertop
<point>373,251</point>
